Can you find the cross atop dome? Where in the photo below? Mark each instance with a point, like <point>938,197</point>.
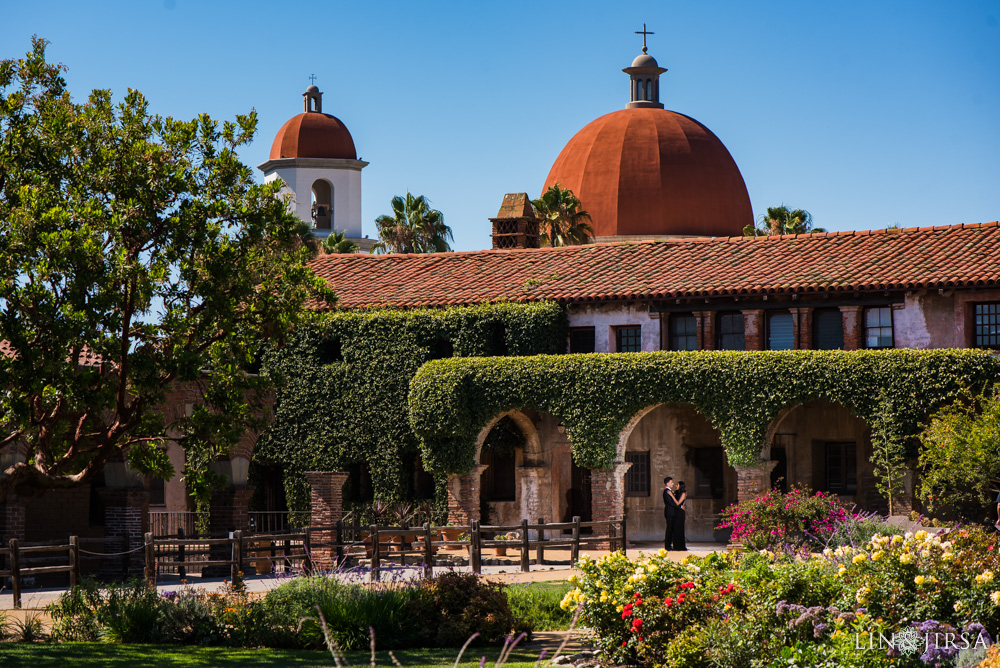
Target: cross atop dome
<point>644,32</point>
<point>645,74</point>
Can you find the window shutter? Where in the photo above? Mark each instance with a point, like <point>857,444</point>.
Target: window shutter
<point>780,333</point>
<point>828,329</point>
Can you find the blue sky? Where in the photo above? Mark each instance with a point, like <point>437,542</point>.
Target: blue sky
<point>865,113</point>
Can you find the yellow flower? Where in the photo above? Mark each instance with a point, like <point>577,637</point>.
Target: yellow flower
<point>604,597</point>
<point>985,576</point>
<point>920,535</point>
<point>663,552</point>
<point>862,595</point>
<point>958,606</point>
<point>948,556</point>
<point>920,579</point>
<point>841,570</point>
<point>858,558</point>
<point>925,554</point>
<point>906,558</point>
<point>897,540</point>
<point>995,597</point>
<point>876,555</point>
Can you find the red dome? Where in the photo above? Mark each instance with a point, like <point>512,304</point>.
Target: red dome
<point>314,135</point>
<point>653,172</point>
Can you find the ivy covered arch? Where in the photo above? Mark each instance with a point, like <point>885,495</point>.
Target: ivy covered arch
<point>596,396</point>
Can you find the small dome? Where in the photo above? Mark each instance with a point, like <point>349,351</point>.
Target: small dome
<point>312,89</point>
<point>643,171</point>
<point>644,60</point>
<point>313,135</point>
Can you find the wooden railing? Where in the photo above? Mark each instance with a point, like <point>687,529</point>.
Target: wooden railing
<point>320,547</point>
<point>16,553</point>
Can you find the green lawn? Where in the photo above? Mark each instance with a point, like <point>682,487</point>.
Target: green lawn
<point>129,656</point>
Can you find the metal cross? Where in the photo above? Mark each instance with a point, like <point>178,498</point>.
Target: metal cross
<point>312,77</point>
<point>644,32</point>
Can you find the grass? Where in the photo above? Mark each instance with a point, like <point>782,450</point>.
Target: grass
<point>156,656</point>
<point>539,602</point>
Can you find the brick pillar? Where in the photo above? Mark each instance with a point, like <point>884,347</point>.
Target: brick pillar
<point>327,509</point>
<point>14,512</point>
<point>536,482</point>
<point>126,517</point>
<point>753,480</point>
<point>852,327</point>
<point>463,496</point>
<point>607,496</point>
<point>229,509</point>
<point>802,325</point>
<point>706,329</point>
<point>753,328</point>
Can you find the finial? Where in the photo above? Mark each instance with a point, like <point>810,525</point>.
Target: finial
<point>644,32</point>
<point>312,77</point>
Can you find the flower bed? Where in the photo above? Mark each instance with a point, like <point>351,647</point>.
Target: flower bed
<point>911,600</point>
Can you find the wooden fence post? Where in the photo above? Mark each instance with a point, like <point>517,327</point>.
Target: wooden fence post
<point>376,564</point>
<point>539,550</point>
<point>181,568</point>
<point>74,561</point>
<point>575,548</point>
<point>237,572</point>
<point>340,542</point>
<point>307,551</point>
<point>525,556</point>
<point>15,572</point>
<point>428,552</point>
<point>624,537</point>
<point>150,563</point>
<point>475,549</point>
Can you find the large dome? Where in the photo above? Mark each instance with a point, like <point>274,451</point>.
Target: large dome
<point>314,135</point>
<point>653,172</point>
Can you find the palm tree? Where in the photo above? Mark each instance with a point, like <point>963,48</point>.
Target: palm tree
<point>413,227</point>
<point>565,224</point>
<point>338,243</point>
<point>782,220</point>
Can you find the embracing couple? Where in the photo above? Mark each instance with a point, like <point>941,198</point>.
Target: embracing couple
<point>674,501</point>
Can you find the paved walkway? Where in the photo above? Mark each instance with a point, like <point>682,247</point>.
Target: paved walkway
<point>37,599</point>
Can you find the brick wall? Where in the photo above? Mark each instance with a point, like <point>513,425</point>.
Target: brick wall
<point>607,496</point>
<point>753,328</point>
<point>802,321</point>
<point>14,515</point>
<point>126,511</point>
<point>463,496</point>
<point>229,509</point>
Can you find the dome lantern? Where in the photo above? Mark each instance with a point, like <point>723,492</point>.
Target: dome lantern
<point>645,78</point>
<point>313,100</point>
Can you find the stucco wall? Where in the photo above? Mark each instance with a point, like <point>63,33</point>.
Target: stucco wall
<point>604,318</point>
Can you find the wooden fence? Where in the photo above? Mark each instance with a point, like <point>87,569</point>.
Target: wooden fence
<point>314,548</point>
<point>322,547</point>
<point>17,554</point>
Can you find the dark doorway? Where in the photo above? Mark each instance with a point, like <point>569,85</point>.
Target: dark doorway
<point>579,495</point>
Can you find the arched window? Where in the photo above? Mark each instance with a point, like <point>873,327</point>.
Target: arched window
<point>499,453</point>
<point>649,90</point>
<point>322,205</point>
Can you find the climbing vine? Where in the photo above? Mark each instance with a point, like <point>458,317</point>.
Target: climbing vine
<point>741,393</point>
<point>342,384</point>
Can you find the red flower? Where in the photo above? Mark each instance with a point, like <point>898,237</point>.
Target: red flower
<point>668,601</point>
<point>680,599</point>
<point>636,625</point>
<point>627,611</point>
<point>641,638</point>
<point>624,642</point>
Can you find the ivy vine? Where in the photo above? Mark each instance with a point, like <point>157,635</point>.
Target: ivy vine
<point>342,384</point>
<point>741,393</point>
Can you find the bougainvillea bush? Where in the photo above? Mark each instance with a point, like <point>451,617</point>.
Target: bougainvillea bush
<point>915,600</point>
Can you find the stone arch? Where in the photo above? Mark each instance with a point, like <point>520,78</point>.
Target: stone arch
<point>679,440</point>
<point>823,444</point>
<point>322,204</point>
<point>532,441</point>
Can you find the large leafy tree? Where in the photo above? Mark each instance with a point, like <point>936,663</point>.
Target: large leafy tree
<point>413,227</point>
<point>782,220</point>
<point>564,222</point>
<point>137,255</point>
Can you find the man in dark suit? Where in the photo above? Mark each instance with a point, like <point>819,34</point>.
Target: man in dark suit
<point>669,511</point>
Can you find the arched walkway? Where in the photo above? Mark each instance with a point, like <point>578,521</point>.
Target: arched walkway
<point>822,445</point>
<point>674,440</point>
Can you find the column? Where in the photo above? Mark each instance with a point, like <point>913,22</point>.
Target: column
<point>463,496</point>
<point>229,509</point>
<point>327,509</point>
<point>753,328</point>
<point>706,329</point>
<point>802,324</point>
<point>607,496</point>
<point>753,480</point>
<point>536,481</point>
<point>126,517</point>
<point>852,327</point>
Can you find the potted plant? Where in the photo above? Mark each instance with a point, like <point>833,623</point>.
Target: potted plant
<point>506,537</point>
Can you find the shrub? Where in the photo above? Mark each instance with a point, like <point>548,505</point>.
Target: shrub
<point>186,618</point>
<point>858,529</point>
<point>121,612</point>
<point>285,606</point>
<point>454,606</point>
<point>356,609</point>
<point>774,520</point>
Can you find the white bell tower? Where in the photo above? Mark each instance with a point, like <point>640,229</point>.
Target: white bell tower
<point>314,155</point>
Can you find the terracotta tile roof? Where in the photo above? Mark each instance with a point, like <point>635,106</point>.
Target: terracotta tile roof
<point>926,257</point>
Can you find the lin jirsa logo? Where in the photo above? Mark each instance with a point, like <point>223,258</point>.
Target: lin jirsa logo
<point>908,641</point>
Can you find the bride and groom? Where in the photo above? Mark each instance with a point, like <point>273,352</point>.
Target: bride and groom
<point>674,502</point>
